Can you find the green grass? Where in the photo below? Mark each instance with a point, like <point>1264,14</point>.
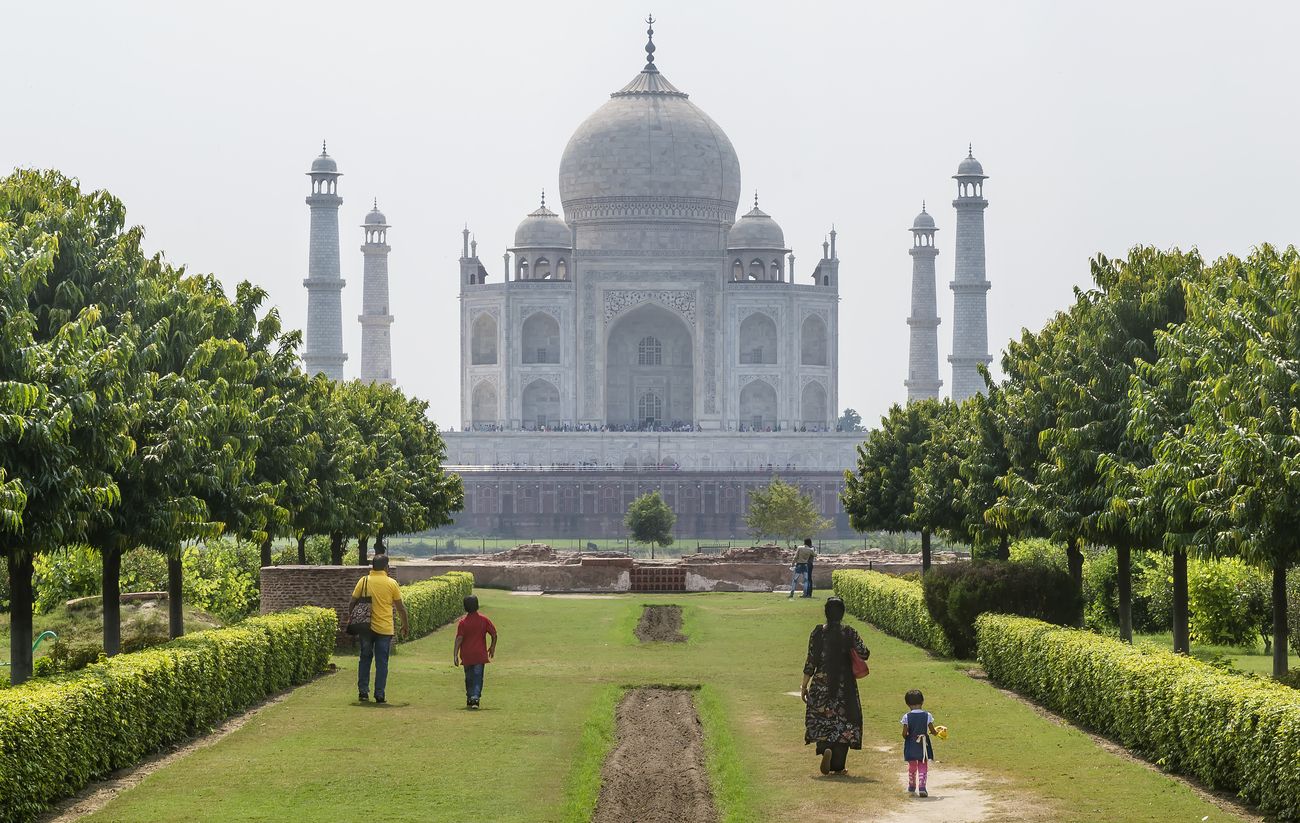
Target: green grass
<point>533,752</point>
<point>1250,660</point>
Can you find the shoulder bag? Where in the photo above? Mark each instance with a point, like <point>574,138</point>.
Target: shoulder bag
<point>359,617</point>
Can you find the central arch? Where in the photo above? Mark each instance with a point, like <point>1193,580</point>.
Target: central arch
<point>649,351</point>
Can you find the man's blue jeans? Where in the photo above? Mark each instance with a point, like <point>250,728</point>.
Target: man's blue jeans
<point>376,646</point>
<point>474,681</point>
<point>800,571</point>
<point>807,581</point>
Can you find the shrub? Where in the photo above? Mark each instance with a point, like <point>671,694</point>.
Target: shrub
<point>956,594</point>
<point>1039,551</point>
<point>59,576</point>
<point>1229,602</point>
<point>1293,609</point>
<point>63,732</point>
<point>144,570</point>
<point>1228,731</point>
<point>222,578</point>
<point>4,585</point>
<point>436,602</point>
<point>891,604</point>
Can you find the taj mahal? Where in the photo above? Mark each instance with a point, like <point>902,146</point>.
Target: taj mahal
<point>649,305</point>
<point>644,336</point>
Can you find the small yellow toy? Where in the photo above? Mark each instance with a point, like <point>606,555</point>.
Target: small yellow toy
<point>941,732</point>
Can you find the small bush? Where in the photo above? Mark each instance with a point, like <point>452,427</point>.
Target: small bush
<point>957,593</point>
<point>59,576</point>
<point>144,570</point>
<point>1293,609</point>
<point>891,604</point>
<point>63,732</point>
<point>1039,551</point>
<point>4,586</point>
<point>436,602</point>
<point>1231,732</point>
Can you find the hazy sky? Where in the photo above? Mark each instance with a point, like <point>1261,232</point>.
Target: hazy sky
<point>1101,125</point>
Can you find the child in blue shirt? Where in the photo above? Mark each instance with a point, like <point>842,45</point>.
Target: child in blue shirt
<point>918,725</point>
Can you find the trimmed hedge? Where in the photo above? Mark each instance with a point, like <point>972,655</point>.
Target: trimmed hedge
<point>1230,732</point>
<point>60,733</point>
<point>891,604</point>
<point>436,602</point>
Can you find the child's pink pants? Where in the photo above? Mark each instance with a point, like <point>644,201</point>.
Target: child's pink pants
<point>915,767</point>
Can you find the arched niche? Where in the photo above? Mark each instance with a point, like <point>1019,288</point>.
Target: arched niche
<point>649,348</point>
<point>813,405</point>
<point>541,404</point>
<point>813,344</point>
<point>540,338</point>
<point>758,406</point>
<point>758,339</point>
<point>483,341</point>
<point>483,405</point>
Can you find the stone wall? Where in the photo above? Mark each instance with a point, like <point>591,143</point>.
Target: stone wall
<point>284,587</point>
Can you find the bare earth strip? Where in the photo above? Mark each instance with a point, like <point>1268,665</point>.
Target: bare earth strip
<point>660,624</point>
<point>97,795</point>
<point>657,771</point>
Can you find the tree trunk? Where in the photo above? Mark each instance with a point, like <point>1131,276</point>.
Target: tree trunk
<point>20,616</point>
<point>1004,547</point>
<point>266,551</point>
<point>1182,635</point>
<point>925,550</point>
<point>112,592</point>
<point>363,551</point>
<point>1124,560</point>
<point>1279,620</point>
<point>336,548</point>
<point>302,549</point>
<point>380,546</point>
<point>1074,558</point>
<point>175,595</point>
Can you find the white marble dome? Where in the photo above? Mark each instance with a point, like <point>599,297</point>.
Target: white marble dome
<point>923,220</point>
<point>970,166</point>
<point>650,142</point>
<point>544,229</point>
<point>324,163</point>
<point>756,230</point>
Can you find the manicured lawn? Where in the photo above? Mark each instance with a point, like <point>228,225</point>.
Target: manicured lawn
<point>320,756</point>
<point>1251,660</point>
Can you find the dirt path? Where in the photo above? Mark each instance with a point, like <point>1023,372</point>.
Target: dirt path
<point>657,771</point>
<point>660,624</point>
<point>955,797</point>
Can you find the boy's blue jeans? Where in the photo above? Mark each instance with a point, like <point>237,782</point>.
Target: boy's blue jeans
<point>376,646</point>
<point>474,681</point>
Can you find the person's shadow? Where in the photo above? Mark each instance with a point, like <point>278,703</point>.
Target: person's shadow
<point>842,778</point>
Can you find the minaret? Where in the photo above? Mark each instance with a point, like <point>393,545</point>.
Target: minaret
<point>376,339</point>
<point>970,328</point>
<point>323,351</point>
<point>923,352</point>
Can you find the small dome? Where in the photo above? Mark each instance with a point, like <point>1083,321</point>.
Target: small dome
<point>376,218</point>
<point>970,166</point>
<point>324,163</point>
<point>543,228</point>
<point>923,220</point>
<point>756,230</point>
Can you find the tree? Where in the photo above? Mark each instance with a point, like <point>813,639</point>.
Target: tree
<point>782,511</point>
<point>879,496</point>
<point>1111,329</point>
<point>1232,466</point>
<point>63,415</point>
<point>649,520</point>
<point>984,458</point>
<point>937,484</point>
<point>850,421</point>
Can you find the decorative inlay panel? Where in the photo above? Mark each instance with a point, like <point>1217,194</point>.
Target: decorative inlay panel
<point>681,301</point>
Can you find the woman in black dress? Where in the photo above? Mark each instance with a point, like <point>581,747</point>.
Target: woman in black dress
<point>833,719</point>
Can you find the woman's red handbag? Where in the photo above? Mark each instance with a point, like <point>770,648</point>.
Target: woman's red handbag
<point>860,669</point>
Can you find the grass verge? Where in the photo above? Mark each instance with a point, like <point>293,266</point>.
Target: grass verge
<point>732,793</point>
<point>595,742</point>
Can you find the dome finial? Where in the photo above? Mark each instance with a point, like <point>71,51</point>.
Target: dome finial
<point>650,44</point>
<point>755,198</point>
<point>970,150</point>
<point>322,149</point>
<point>376,204</point>
<point>543,198</point>
<point>922,207</point>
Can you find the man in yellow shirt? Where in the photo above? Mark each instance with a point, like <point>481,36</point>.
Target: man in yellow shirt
<point>385,596</point>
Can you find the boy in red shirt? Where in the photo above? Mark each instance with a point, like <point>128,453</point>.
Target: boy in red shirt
<point>472,651</point>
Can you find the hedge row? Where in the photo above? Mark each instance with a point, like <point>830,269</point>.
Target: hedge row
<point>1231,732</point>
<point>437,601</point>
<point>60,733</point>
<point>891,604</point>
